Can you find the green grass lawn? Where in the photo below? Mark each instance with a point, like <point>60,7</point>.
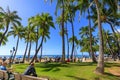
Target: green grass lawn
<point>70,71</point>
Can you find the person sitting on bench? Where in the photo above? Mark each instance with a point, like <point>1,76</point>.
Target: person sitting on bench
<point>30,70</point>
<point>3,66</point>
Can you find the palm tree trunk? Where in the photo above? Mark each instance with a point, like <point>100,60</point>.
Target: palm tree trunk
<point>37,50</point>
<point>63,38</point>
<point>36,60</point>
<point>67,43</point>
<point>116,38</point>
<point>29,51</point>
<point>73,41</point>
<point>25,53</point>
<point>111,50</point>
<point>15,50</point>
<point>4,34</point>
<point>41,53</point>
<point>100,65</point>
<point>90,33</point>
<point>11,58</point>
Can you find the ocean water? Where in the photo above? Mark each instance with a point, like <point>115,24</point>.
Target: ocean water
<point>43,56</point>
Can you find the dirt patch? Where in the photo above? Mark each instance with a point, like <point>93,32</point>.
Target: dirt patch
<point>115,71</point>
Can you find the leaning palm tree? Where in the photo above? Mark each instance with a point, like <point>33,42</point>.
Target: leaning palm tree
<point>7,18</point>
<point>16,32</point>
<point>26,38</point>
<point>111,18</point>
<point>110,4</point>
<point>35,22</point>
<point>31,35</point>
<point>46,22</point>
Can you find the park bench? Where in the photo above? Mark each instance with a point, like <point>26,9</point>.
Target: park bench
<point>17,76</point>
<point>3,75</point>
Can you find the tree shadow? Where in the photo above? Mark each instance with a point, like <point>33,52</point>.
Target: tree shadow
<point>112,64</point>
<point>111,76</point>
<point>76,78</point>
<point>84,64</point>
<point>56,66</point>
<point>51,66</point>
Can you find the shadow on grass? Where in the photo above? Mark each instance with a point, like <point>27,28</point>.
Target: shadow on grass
<point>112,64</point>
<point>56,66</point>
<point>111,76</point>
<point>106,76</point>
<point>51,66</point>
<point>84,64</point>
<point>76,78</point>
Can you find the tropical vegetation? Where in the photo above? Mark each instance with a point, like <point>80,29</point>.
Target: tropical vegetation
<point>37,31</point>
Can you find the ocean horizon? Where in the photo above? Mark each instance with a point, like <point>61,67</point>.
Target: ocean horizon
<point>43,56</point>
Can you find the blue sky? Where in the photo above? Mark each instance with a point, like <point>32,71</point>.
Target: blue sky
<point>28,8</point>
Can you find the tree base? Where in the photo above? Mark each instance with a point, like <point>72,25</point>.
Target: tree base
<point>99,71</point>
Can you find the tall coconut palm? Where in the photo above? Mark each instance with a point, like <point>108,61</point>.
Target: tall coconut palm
<point>26,38</point>
<point>108,16</point>
<point>71,14</point>
<point>45,23</point>
<point>84,41</point>
<point>59,21</point>
<point>16,32</point>
<point>97,4</point>
<point>35,22</point>
<point>7,17</point>
<point>61,4</point>
<point>108,41</point>
<point>84,6</point>
<point>31,35</point>
<point>100,65</point>
<point>90,33</point>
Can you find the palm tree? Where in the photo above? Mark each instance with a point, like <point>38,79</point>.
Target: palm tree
<point>98,4</point>
<point>100,65</point>
<point>90,33</point>
<point>59,21</point>
<point>16,32</point>
<point>108,16</point>
<point>71,14</point>
<point>7,18</point>
<point>35,22</point>
<point>45,23</point>
<point>31,36</point>
<point>26,37</point>
<point>108,43</point>
<point>61,4</point>
<point>85,40</point>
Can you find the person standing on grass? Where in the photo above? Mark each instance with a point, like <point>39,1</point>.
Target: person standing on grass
<point>30,70</point>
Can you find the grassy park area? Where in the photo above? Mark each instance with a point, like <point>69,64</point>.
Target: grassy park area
<point>61,31</point>
<point>72,71</point>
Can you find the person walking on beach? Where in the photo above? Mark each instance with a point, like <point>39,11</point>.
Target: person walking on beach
<point>30,70</point>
